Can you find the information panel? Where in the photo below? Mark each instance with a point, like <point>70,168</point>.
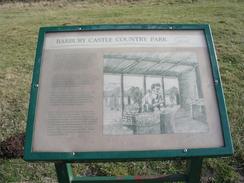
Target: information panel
<point>122,90</point>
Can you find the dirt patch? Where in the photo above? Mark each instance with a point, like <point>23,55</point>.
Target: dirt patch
<point>12,147</point>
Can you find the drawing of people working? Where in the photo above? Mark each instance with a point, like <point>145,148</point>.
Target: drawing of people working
<point>153,100</point>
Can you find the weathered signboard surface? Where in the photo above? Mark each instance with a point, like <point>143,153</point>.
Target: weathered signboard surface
<point>128,91</point>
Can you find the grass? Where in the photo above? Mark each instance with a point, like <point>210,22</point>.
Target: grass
<point>19,24</point>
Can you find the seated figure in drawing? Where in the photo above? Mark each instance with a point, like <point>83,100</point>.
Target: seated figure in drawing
<point>153,100</point>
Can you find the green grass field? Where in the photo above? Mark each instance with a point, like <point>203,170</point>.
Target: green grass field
<point>19,25</point>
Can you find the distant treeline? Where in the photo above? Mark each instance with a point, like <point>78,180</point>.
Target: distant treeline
<point>26,0</point>
<point>7,1</point>
<point>32,1</point>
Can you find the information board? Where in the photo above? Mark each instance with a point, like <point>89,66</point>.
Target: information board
<point>130,91</point>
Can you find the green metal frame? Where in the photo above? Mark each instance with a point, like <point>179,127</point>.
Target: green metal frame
<point>226,150</point>
<point>65,175</point>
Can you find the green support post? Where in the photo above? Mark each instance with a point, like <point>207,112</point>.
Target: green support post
<point>64,172</point>
<point>194,170</point>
